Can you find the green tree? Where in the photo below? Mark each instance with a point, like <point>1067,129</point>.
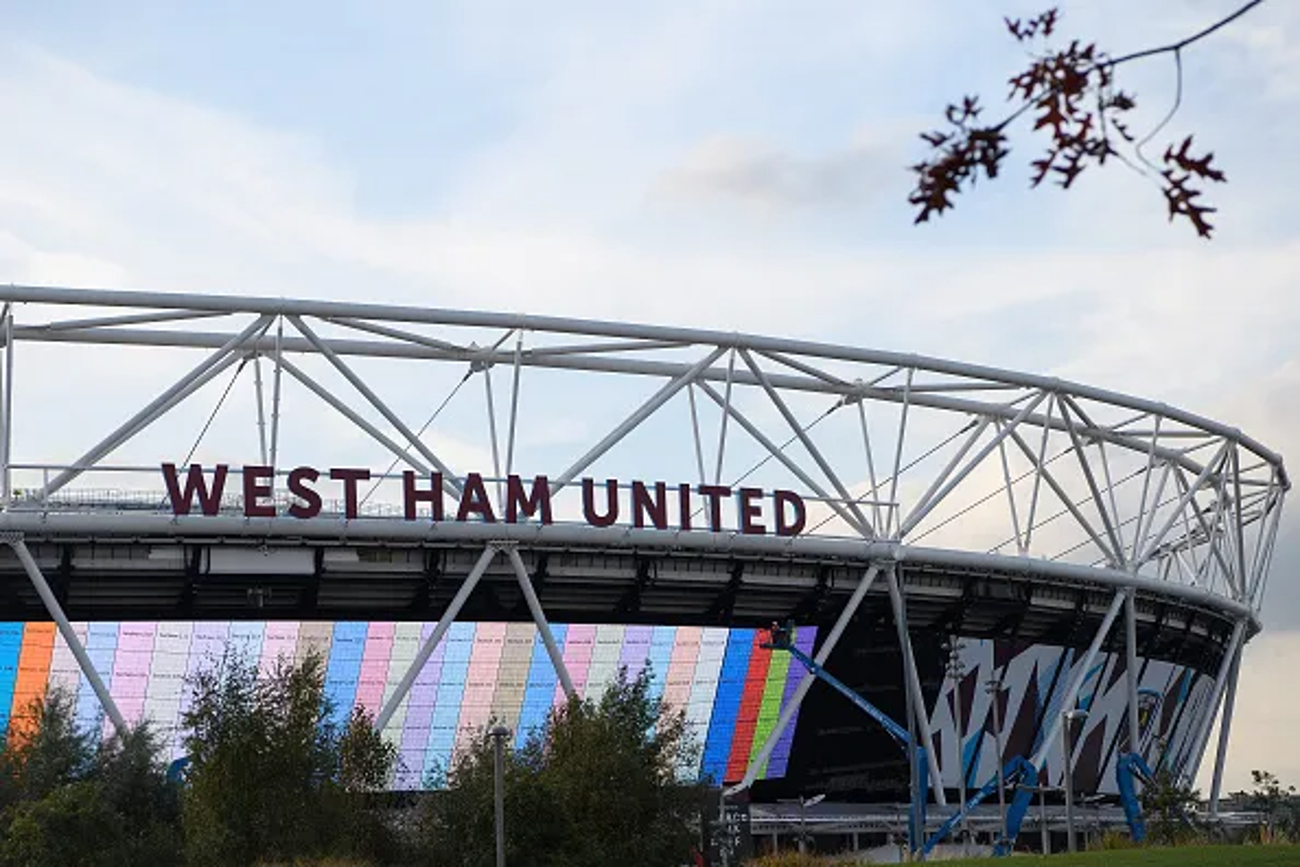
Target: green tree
<point>1167,805</point>
<point>1277,803</point>
<point>67,800</point>
<point>598,785</point>
<point>49,753</point>
<point>272,775</point>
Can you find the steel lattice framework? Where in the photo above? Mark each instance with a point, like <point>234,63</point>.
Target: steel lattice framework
<point>1073,501</point>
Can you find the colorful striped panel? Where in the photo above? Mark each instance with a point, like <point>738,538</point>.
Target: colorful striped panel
<point>101,647</point>
<point>444,728</point>
<point>406,643</point>
<point>374,665</point>
<point>604,658</point>
<point>751,704</point>
<point>479,672</point>
<point>778,673</point>
<point>279,644</point>
<point>344,667</point>
<point>804,639</point>
<point>726,704</point>
<point>680,672</point>
<point>659,658</point>
<point>481,681</point>
<point>579,645</point>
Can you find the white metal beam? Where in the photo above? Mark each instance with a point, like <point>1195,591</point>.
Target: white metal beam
<point>181,389</point>
<point>449,477</point>
<point>640,414</point>
<point>444,623</point>
<point>760,759</point>
<point>913,679</point>
<point>539,618</point>
<point>1048,741</point>
<point>51,603</point>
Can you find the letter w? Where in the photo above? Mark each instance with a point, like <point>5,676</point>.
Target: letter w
<point>209,498</point>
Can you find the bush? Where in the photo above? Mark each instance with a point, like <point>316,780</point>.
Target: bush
<point>272,776</point>
<point>597,786</point>
<point>68,801</point>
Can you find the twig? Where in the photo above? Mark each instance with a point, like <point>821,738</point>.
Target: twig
<point>1183,43</point>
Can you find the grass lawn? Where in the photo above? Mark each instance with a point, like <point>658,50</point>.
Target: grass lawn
<point>1182,856</point>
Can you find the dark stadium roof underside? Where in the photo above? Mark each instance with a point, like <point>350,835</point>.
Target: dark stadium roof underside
<point>626,577</point>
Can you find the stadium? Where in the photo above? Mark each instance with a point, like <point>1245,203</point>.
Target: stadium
<point>472,514</point>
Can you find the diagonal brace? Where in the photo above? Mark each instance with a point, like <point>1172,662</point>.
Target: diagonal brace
<point>19,546</point>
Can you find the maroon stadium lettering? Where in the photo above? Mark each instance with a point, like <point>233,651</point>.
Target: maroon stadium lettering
<point>641,504</point>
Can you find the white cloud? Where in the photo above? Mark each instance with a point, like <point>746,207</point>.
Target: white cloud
<point>116,185</point>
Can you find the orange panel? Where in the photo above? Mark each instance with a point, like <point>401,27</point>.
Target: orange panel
<point>33,674</point>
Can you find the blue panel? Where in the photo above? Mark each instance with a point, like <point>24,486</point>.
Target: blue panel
<point>540,690</point>
<point>101,647</point>
<point>344,666</point>
<point>726,704</point>
<point>11,645</point>
<point>661,653</point>
<point>451,689</point>
<point>246,638</point>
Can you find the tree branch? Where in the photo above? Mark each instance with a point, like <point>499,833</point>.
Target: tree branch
<point>1183,43</point>
<point>1074,102</point>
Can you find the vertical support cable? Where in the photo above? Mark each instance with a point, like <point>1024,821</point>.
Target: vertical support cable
<point>261,408</point>
<point>275,389</point>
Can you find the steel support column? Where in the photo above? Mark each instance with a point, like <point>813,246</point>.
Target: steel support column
<point>15,541</point>
<point>1216,695</point>
<point>1131,670</point>
<point>444,623</point>
<point>913,678</point>
<point>539,617</point>
<point>759,761</point>
<point>1076,683</point>
<point>1225,729</point>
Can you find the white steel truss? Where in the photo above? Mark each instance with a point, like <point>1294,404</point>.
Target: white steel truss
<point>898,456</point>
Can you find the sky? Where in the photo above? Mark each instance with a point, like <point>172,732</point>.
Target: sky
<point>739,166</point>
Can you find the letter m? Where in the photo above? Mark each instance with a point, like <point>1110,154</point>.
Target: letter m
<point>537,503</point>
<point>209,498</point>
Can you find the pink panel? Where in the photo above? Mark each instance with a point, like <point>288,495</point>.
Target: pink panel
<point>681,667</point>
<point>579,644</point>
<point>481,679</point>
<point>374,665</point>
<point>131,666</point>
<point>280,640</point>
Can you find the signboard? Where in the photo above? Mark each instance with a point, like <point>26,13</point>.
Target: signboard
<point>641,504</point>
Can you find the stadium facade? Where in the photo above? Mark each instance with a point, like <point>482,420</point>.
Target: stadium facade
<point>997,555</point>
